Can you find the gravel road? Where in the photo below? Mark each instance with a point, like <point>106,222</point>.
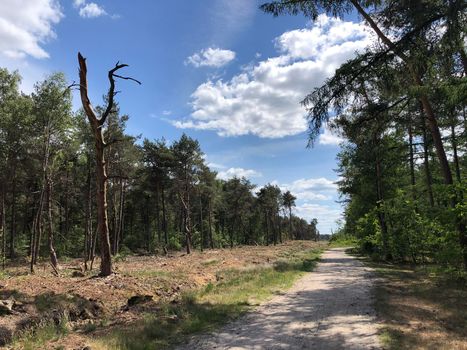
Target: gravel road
<point>330,308</point>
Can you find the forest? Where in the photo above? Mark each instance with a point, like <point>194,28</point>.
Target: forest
<point>160,196</point>
<point>400,106</point>
<point>163,247</point>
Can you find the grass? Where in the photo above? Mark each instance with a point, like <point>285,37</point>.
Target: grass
<point>38,338</point>
<point>343,241</point>
<point>234,294</point>
<point>422,308</point>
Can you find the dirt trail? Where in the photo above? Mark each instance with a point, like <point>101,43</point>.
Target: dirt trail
<point>330,308</point>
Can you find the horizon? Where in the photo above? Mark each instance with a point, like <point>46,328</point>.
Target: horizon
<point>225,74</point>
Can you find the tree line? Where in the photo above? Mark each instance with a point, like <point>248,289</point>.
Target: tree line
<point>400,104</point>
<point>77,185</point>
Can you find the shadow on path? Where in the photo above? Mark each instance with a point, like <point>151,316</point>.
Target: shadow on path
<point>330,308</point>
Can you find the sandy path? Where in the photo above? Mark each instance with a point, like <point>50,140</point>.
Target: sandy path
<point>329,308</point>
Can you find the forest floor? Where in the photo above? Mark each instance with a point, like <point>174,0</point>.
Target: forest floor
<point>79,309</point>
<point>421,307</point>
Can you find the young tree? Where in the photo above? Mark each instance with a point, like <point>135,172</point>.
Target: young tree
<point>52,113</point>
<point>187,163</point>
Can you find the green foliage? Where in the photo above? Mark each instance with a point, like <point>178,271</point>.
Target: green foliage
<point>341,239</point>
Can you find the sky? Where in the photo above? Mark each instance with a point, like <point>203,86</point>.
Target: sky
<point>220,71</point>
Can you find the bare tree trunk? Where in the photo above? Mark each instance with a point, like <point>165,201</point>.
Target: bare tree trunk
<point>412,165</point>
<point>381,216</point>
<point>88,238</point>
<point>426,162</point>
<point>454,147</point>
<point>120,216</point>
<point>13,214</point>
<point>267,227</point>
<point>164,218</point>
<point>201,229</point>
<point>97,125</point>
<point>53,255</point>
<point>2,224</point>
<point>211,243</point>
<point>290,221</point>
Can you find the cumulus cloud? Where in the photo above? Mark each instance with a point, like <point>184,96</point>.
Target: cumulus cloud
<point>320,189</point>
<point>326,215</point>
<point>78,3</point>
<point>264,99</point>
<point>26,25</point>
<point>238,172</point>
<point>211,57</point>
<point>90,9</point>
<point>328,137</point>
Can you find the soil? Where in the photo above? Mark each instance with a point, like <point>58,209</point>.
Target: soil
<point>155,278</point>
<point>328,309</point>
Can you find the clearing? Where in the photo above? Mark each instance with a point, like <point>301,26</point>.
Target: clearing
<point>77,309</point>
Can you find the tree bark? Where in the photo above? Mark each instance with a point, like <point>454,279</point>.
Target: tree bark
<point>412,165</point>
<point>426,163</point>
<point>53,255</point>
<point>88,237</point>
<point>211,243</point>
<point>164,218</point>
<point>12,253</point>
<point>454,147</point>
<point>2,224</point>
<point>101,175</point>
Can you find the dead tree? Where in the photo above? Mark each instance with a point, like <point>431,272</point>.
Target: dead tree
<point>97,125</point>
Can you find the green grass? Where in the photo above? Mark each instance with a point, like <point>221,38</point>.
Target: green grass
<point>38,337</point>
<point>216,304</point>
<point>343,241</point>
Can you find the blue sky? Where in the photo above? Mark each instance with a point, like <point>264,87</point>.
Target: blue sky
<point>219,70</point>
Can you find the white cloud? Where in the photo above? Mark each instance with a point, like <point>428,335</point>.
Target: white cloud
<point>326,215</point>
<point>263,100</point>
<point>91,10</point>
<point>26,25</point>
<point>216,165</point>
<point>238,172</point>
<point>320,189</point>
<point>328,137</point>
<point>166,113</point>
<point>78,3</point>
<point>211,57</point>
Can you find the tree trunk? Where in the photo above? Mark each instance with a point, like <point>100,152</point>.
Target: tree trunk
<point>121,207</point>
<point>13,215</point>
<point>164,218</point>
<point>102,220</point>
<point>211,242</point>
<point>53,255</point>
<point>201,221</point>
<point>2,223</point>
<point>426,163</point>
<point>454,147</point>
<point>97,125</point>
<point>88,237</point>
<point>290,221</point>
<point>412,165</point>
<point>381,216</point>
